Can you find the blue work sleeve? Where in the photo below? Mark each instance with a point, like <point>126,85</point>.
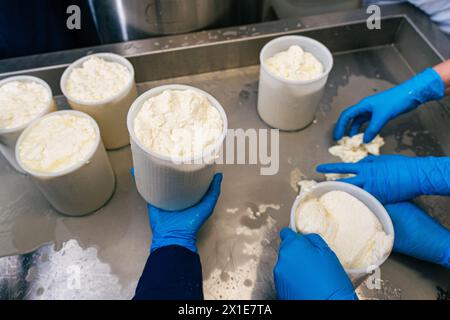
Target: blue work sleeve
<point>171,273</point>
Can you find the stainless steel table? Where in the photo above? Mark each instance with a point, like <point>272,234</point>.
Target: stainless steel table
<point>46,255</point>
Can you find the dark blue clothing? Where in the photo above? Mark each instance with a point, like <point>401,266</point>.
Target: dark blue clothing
<point>171,273</point>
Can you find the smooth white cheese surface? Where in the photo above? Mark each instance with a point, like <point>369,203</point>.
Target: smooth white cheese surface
<point>21,102</point>
<point>348,226</point>
<point>178,123</point>
<point>57,142</point>
<point>97,79</point>
<point>295,64</point>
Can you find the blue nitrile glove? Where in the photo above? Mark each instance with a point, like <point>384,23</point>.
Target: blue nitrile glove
<point>395,178</point>
<point>181,227</point>
<point>307,269</point>
<point>419,235</point>
<point>384,106</point>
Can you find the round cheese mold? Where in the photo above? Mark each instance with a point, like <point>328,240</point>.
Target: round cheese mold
<point>57,143</point>
<point>292,76</point>
<point>102,85</point>
<point>22,100</point>
<point>180,179</point>
<point>178,124</point>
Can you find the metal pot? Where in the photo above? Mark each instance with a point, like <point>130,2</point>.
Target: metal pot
<point>123,20</point>
<point>286,9</point>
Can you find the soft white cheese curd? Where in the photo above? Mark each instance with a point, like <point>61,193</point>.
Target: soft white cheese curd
<point>347,225</point>
<point>97,79</point>
<point>21,102</point>
<point>352,149</point>
<point>178,123</point>
<point>57,142</point>
<point>295,64</point>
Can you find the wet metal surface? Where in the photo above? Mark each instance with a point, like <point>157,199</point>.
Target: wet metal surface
<point>46,255</point>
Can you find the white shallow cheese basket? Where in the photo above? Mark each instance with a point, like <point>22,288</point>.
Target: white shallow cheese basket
<point>356,275</point>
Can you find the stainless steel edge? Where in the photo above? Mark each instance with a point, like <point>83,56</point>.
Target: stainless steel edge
<point>428,30</point>
<point>45,253</point>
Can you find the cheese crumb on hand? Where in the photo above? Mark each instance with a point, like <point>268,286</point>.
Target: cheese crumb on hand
<point>352,149</point>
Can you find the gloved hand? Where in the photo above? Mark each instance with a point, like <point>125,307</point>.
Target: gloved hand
<point>307,269</point>
<point>419,235</point>
<point>181,227</point>
<point>395,178</point>
<point>386,105</point>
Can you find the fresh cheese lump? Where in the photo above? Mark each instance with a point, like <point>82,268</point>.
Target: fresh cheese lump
<point>97,79</point>
<point>295,64</point>
<point>21,102</point>
<point>352,149</point>
<point>351,230</point>
<point>58,142</point>
<point>178,123</point>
